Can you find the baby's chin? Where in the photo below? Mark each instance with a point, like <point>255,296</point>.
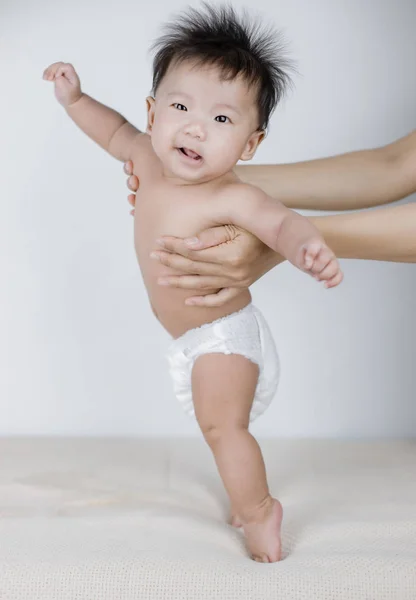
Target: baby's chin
<point>192,174</point>
<point>185,178</point>
<point>185,171</point>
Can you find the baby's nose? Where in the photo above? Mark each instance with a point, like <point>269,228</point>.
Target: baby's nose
<point>196,130</point>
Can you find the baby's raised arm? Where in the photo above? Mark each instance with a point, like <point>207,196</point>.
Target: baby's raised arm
<point>105,126</point>
<point>282,229</point>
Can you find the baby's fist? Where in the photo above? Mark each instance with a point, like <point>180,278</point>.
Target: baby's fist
<point>321,263</point>
<point>67,84</point>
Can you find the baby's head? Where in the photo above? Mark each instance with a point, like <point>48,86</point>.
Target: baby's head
<point>217,79</point>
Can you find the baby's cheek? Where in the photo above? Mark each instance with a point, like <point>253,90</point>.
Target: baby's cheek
<point>227,152</point>
<point>160,140</point>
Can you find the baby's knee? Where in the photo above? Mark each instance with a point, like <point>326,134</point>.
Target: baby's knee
<point>216,432</point>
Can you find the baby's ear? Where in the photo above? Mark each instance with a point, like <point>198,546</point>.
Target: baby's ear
<point>252,144</point>
<point>150,105</point>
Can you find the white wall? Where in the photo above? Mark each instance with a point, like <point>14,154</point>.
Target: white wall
<point>81,353</point>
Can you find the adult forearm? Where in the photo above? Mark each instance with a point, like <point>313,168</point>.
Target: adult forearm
<point>96,120</point>
<point>387,234</point>
<point>345,182</point>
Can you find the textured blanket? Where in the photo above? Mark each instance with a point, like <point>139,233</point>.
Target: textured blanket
<point>124,519</point>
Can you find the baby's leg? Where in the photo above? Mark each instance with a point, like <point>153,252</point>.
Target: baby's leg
<point>223,388</point>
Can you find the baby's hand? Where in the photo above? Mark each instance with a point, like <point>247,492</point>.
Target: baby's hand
<point>67,84</point>
<point>318,260</point>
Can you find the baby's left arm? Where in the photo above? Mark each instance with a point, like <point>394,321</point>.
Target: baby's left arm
<point>282,229</point>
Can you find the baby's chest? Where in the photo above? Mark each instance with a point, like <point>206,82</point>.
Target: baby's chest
<point>179,212</point>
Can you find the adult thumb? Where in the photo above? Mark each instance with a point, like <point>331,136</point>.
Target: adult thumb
<point>212,237</point>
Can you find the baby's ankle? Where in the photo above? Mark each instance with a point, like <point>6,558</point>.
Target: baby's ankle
<point>258,513</point>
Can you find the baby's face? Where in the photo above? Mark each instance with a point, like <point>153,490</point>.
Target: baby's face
<point>201,125</point>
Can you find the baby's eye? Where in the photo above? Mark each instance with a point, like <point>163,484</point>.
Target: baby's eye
<point>179,106</point>
<point>222,119</point>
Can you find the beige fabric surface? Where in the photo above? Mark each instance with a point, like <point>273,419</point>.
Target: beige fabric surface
<point>124,519</point>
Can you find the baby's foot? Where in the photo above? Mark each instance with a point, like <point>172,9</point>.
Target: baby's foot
<point>262,533</point>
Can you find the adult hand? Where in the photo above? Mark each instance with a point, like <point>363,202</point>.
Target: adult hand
<point>225,257</point>
<point>132,183</point>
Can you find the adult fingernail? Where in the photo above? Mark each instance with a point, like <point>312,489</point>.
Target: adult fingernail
<point>154,255</point>
<point>163,282</point>
<point>190,302</point>
<point>160,242</point>
<point>192,241</point>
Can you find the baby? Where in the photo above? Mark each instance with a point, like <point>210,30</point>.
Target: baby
<point>216,82</point>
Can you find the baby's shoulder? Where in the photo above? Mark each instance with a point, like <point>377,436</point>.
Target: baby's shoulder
<point>143,156</point>
<point>237,196</point>
<point>142,146</point>
<point>238,191</point>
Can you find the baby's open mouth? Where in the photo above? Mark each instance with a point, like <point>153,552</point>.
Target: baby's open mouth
<point>190,153</point>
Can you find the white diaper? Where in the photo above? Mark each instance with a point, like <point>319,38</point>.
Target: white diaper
<point>244,332</point>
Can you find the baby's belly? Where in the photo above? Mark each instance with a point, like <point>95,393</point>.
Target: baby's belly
<point>168,303</point>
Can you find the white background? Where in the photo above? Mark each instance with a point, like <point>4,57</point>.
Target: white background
<point>80,351</point>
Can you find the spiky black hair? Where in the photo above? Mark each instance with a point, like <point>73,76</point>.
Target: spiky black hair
<point>237,46</point>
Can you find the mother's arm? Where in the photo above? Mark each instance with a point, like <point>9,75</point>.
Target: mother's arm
<point>349,181</point>
<point>239,259</point>
<point>231,259</point>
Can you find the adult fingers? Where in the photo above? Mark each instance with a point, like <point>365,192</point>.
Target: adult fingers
<point>193,282</point>
<point>184,265</point>
<point>133,183</point>
<point>128,167</point>
<point>214,236</point>
<point>211,300</point>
